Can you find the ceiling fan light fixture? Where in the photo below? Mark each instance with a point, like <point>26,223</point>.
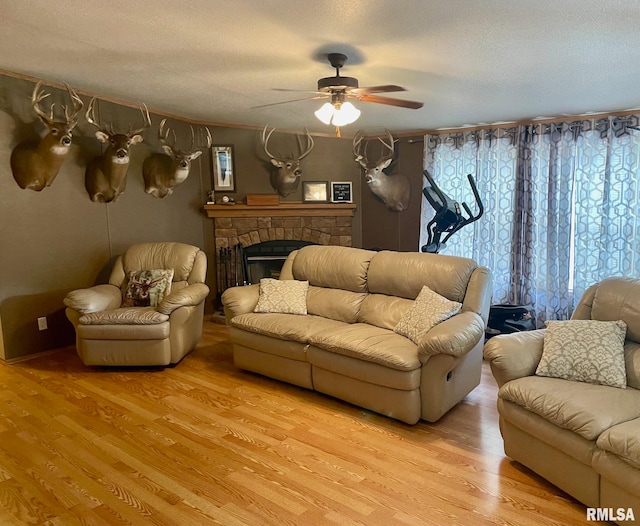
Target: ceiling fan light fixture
<point>338,114</point>
<point>347,114</point>
<point>325,113</point>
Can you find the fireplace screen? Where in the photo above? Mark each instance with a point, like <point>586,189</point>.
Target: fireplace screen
<point>243,266</point>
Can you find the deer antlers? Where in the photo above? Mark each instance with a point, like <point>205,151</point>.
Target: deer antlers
<point>361,155</point>
<point>163,136</point>
<point>265,140</point>
<point>39,95</point>
<point>110,131</point>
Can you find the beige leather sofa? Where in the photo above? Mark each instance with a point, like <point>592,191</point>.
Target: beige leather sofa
<point>345,346</point>
<point>584,438</point>
<point>108,333</point>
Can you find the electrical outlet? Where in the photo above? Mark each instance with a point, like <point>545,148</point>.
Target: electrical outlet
<point>42,324</point>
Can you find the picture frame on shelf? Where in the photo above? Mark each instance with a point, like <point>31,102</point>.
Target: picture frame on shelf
<point>341,192</point>
<point>224,169</point>
<point>315,191</point>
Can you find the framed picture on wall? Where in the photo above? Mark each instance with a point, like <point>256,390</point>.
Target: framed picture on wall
<point>315,191</point>
<point>224,169</point>
<point>341,192</point>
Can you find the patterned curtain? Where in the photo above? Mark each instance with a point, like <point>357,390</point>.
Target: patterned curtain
<point>562,206</point>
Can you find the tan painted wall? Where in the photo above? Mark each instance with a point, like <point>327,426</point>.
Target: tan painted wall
<point>388,230</point>
<point>57,240</point>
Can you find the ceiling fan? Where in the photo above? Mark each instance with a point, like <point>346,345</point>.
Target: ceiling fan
<point>339,111</point>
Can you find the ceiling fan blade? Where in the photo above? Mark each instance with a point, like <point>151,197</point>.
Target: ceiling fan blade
<point>391,102</point>
<point>288,101</point>
<point>295,90</point>
<point>377,89</point>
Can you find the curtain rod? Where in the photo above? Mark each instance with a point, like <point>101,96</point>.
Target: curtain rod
<point>527,122</point>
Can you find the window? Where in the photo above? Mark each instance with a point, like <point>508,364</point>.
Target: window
<point>562,206</point>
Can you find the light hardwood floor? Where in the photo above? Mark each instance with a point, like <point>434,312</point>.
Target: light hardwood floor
<point>204,443</point>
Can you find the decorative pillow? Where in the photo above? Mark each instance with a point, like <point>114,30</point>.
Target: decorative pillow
<point>429,309</point>
<point>287,296</point>
<point>147,288</point>
<point>588,351</point>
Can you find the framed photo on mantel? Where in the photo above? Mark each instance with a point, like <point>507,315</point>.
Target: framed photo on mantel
<point>314,191</point>
<point>341,192</point>
<point>224,170</point>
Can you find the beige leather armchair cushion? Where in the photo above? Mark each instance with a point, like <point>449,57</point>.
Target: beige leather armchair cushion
<point>125,316</point>
<point>189,262</point>
<point>585,409</point>
<point>610,300</point>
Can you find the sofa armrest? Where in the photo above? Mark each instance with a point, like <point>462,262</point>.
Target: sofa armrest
<point>94,299</point>
<point>514,355</point>
<point>189,296</point>
<point>455,336</point>
<point>240,300</point>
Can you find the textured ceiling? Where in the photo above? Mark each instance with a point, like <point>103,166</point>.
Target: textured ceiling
<point>214,61</point>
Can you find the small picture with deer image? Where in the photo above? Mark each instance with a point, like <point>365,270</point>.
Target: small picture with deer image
<point>223,168</point>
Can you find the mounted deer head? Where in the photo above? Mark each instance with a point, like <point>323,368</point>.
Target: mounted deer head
<point>36,165</point>
<point>106,175</point>
<point>394,190</point>
<point>286,178</point>
<point>163,171</point>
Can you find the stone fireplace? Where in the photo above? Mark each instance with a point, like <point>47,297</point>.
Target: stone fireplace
<point>322,230</point>
<point>239,226</point>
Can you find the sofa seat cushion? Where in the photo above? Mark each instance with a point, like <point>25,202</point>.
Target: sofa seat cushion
<point>370,344</point>
<point>623,441</point>
<point>585,409</point>
<point>285,326</point>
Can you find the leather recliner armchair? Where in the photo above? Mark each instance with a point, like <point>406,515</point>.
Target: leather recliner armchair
<point>110,331</point>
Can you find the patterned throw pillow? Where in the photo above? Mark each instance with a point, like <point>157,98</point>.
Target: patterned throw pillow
<point>427,311</point>
<point>285,296</point>
<point>147,288</point>
<point>588,351</point>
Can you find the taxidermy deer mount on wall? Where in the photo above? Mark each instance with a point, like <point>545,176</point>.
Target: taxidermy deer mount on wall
<point>106,175</point>
<point>394,190</point>
<point>162,172</point>
<point>286,178</point>
<point>36,165</point>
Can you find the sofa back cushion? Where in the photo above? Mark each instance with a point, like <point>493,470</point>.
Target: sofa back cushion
<point>336,304</point>
<point>333,267</point>
<point>403,274</point>
<point>619,299</point>
<point>189,263</point>
<point>383,311</point>
<point>613,299</point>
<point>632,363</point>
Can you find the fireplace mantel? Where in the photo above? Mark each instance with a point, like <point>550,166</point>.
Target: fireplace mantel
<point>284,209</point>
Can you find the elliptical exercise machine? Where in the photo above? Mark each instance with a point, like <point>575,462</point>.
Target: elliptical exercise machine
<point>503,318</point>
<point>448,218</point>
